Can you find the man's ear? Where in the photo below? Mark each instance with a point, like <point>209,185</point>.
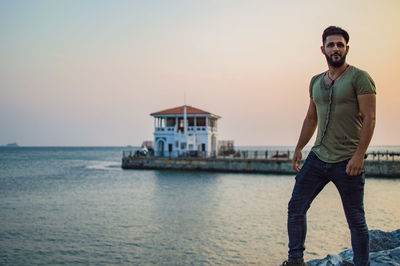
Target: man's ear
<point>323,50</point>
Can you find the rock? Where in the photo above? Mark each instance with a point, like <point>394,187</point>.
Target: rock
<point>334,260</point>
<point>384,247</point>
<point>380,240</point>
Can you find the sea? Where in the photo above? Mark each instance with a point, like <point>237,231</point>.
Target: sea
<point>75,205</point>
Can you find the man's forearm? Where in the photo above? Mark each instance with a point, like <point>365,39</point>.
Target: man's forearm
<point>367,105</point>
<point>307,131</point>
<point>367,130</point>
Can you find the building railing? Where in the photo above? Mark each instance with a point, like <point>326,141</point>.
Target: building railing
<point>141,153</point>
<point>240,154</point>
<point>190,128</point>
<point>383,156</point>
<point>252,154</point>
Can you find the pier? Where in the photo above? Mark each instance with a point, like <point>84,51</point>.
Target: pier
<point>377,164</point>
<point>185,138</point>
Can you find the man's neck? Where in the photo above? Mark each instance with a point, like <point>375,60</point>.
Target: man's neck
<point>335,72</point>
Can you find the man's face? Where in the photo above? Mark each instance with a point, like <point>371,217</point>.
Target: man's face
<point>335,50</point>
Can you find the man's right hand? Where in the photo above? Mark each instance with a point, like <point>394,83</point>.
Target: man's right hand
<point>296,160</point>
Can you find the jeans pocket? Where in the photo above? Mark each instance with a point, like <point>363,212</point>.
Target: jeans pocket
<point>360,179</point>
<point>363,176</point>
<point>344,163</point>
<point>311,155</point>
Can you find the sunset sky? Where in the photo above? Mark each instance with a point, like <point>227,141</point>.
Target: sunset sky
<point>89,73</point>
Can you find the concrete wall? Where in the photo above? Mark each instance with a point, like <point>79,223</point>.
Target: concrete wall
<point>208,164</point>
<point>382,169</point>
<point>372,168</point>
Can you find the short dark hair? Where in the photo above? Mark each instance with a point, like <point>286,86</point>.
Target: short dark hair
<point>333,30</point>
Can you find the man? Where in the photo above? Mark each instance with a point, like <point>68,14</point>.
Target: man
<point>342,105</point>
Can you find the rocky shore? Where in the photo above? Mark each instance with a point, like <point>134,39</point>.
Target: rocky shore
<point>384,248</point>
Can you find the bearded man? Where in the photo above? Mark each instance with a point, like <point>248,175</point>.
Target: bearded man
<point>342,105</point>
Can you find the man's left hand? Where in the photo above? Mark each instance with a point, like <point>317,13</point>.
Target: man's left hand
<point>355,165</point>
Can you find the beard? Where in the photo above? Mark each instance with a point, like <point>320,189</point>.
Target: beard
<point>338,63</point>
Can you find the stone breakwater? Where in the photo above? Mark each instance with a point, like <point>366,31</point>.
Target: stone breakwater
<point>267,166</point>
<point>210,164</point>
<point>384,248</point>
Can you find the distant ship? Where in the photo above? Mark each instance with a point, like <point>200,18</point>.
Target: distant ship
<point>14,144</point>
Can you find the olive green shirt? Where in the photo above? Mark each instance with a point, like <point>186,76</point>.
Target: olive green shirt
<point>339,118</point>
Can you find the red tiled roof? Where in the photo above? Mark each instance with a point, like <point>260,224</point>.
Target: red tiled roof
<point>179,110</point>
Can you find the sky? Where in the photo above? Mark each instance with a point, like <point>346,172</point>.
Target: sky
<point>89,73</point>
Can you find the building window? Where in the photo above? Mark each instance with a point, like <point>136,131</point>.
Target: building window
<point>183,145</point>
<point>203,147</point>
<point>180,124</point>
<point>212,122</point>
<point>170,121</point>
<point>190,121</point>
<point>160,122</point>
<point>201,121</point>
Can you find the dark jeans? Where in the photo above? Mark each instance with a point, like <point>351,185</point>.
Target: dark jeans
<point>311,179</point>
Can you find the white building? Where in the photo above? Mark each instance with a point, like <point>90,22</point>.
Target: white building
<point>185,130</point>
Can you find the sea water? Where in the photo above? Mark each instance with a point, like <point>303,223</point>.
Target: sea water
<point>75,205</point>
